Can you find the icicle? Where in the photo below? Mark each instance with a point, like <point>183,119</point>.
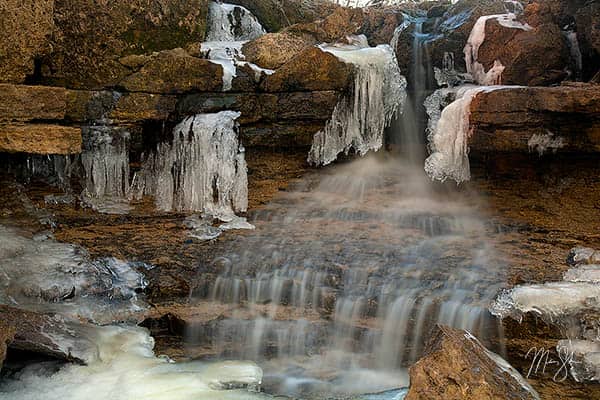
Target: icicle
<point>359,119</point>
<point>202,169</point>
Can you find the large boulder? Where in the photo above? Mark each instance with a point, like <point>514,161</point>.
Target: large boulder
<point>91,36</point>
<point>311,70</point>
<point>175,71</point>
<point>536,57</point>
<point>25,29</point>
<point>458,367</point>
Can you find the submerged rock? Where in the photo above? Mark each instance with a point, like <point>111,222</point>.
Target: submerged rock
<point>457,366</point>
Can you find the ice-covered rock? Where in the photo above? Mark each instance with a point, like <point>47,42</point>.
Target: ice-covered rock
<point>585,273</point>
<point>583,255</point>
<point>551,301</point>
<point>494,75</point>
<point>203,168</point>
<point>231,23</point>
<point>48,276</point>
<point>125,368</point>
<point>583,357</point>
<point>361,116</point>
<point>449,133</point>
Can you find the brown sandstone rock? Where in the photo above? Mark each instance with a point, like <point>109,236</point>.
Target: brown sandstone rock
<point>506,120</point>
<point>457,366</point>
<point>537,57</point>
<point>175,71</point>
<point>275,49</point>
<point>46,334</point>
<point>7,333</point>
<point>25,30</point>
<point>40,139</point>
<point>91,36</point>
<point>26,103</point>
<point>311,70</point>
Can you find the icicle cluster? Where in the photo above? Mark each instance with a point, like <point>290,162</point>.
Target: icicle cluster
<point>202,169</point>
<point>360,117</point>
<point>476,39</point>
<point>230,23</point>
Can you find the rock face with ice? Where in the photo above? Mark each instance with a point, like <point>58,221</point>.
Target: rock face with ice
<point>231,23</point>
<point>449,133</point>
<point>124,367</point>
<point>202,169</point>
<point>41,274</point>
<point>494,75</point>
<point>573,305</point>
<point>361,116</point>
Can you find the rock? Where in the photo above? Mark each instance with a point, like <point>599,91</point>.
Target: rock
<point>457,366</point>
<point>276,14</point>
<point>26,103</point>
<point>25,29</point>
<point>587,21</point>
<point>40,139</point>
<point>175,71</point>
<point>273,50</point>
<point>46,334</point>
<point>92,36</point>
<point>536,57</point>
<point>541,120</point>
<point>313,69</point>
<point>7,333</point>
<point>138,107</point>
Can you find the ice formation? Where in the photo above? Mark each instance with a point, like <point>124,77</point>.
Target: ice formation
<point>125,368</point>
<point>449,133</point>
<point>231,23</point>
<point>583,255</point>
<point>105,161</point>
<point>476,39</point>
<point>360,117</point>
<point>203,168</point>
<point>203,228</point>
<point>230,26</point>
<point>575,51</point>
<point>573,305</point>
<point>583,357</point>
<point>543,143</point>
<point>45,275</point>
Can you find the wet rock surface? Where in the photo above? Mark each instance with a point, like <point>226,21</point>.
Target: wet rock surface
<point>457,366</point>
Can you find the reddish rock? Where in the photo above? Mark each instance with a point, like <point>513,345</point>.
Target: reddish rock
<point>506,120</point>
<point>458,367</point>
<point>311,70</point>
<point>7,334</point>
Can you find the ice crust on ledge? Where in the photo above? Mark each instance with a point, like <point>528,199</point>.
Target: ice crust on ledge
<point>43,275</point>
<point>202,169</point>
<point>361,116</point>
<point>585,273</point>
<point>231,23</point>
<point>476,39</point>
<point>551,301</point>
<point>126,368</point>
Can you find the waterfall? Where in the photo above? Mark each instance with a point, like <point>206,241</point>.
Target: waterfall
<point>361,116</point>
<point>202,169</point>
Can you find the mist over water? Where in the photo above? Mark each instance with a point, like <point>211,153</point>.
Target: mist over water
<point>346,275</point>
